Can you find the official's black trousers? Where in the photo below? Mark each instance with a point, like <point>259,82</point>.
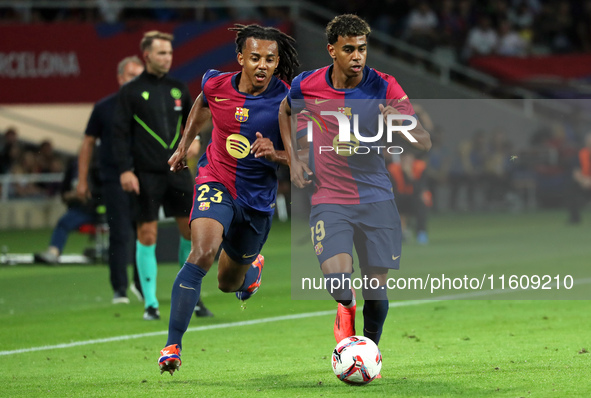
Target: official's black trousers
<point>121,235</point>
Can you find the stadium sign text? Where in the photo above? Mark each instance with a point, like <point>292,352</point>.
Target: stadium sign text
<point>43,65</point>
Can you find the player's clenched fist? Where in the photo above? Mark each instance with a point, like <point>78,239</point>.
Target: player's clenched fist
<point>178,160</point>
<point>301,175</point>
<point>390,110</point>
<point>263,147</point>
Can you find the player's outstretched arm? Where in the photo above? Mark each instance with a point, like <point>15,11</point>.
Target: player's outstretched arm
<point>419,133</point>
<point>297,167</point>
<point>194,148</point>
<point>199,115</point>
<point>285,129</point>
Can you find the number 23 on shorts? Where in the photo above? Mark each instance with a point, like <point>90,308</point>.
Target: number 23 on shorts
<point>205,190</point>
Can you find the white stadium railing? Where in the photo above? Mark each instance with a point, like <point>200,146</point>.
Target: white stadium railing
<point>8,181</point>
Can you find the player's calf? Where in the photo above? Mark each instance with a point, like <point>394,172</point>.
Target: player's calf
<point>339,286</point>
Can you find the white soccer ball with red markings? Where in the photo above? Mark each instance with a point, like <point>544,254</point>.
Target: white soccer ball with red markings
<point>356,360</point>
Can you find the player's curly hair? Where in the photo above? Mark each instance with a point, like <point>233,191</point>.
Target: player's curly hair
<point>288,56</point>
<point>346,25</point>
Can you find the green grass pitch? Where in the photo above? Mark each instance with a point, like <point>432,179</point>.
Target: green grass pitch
<point>61,336</point>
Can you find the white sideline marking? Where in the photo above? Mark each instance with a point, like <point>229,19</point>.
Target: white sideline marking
<point>164,332</point>
<point>227,325</point>
<point>194,329</point>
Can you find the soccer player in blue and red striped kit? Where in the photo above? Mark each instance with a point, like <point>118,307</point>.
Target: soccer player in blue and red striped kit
<point>236,185</point>
<point>352,200</point>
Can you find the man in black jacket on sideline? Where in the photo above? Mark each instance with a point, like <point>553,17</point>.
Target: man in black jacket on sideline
<point>149,119</point>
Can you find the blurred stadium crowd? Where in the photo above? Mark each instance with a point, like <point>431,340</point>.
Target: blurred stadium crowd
<point>487,171</point>
<point>21,158</point>
<point>112,11</point>
<point>505,27</point>
<point>468,27</point>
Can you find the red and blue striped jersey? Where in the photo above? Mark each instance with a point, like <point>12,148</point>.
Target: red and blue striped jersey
<point>237,117</point>
<point>340,179</point>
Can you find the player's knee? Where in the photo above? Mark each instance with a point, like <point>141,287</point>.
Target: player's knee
<point>147,240</point>
<point>338,286</point>
<point>227,286</point>
<point>202,257</point>
<point>229,280</point>
<point>147,237</point>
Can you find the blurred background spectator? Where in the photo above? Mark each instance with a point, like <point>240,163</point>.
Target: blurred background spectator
<point>421,28</point>
<point>579,184</point>
<point>22,160</point>
<point>467,171</point>
<point>482,39</point>
<point>8,150</point>
<point>412,196</point>
<point>78,213</point>
<point>511,43</point>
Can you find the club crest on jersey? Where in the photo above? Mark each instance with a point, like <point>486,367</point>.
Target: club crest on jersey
<point>345,110</point>
<point>204,206</point>
<point>241,114</point>
<point>318,248</point>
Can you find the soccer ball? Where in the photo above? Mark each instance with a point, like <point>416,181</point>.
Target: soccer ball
<point>356,360</point>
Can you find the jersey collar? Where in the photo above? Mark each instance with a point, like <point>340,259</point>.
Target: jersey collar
<point>329,72</point>
<point>261,95</point>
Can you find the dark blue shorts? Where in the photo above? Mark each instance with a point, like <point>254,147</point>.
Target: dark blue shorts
<point>245,231</point>
<point>373,228</point>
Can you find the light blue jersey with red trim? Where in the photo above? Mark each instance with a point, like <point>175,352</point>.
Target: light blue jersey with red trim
<point>237,117</point>
<point>340,179</point>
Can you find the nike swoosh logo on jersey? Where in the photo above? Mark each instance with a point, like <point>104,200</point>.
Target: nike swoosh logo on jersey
<point>186,287</point>
<point>317,101</point>
<point>395,258</point>
<point>221,99</point>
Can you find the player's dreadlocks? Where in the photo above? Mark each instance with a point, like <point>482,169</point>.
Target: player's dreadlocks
<point>346,25</point>
<point>288,56</point>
